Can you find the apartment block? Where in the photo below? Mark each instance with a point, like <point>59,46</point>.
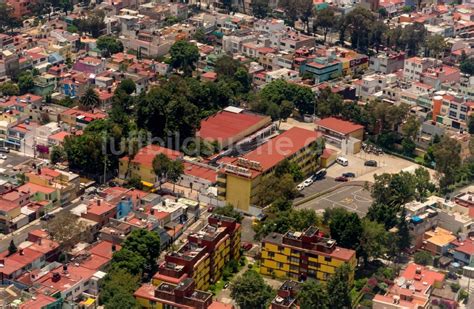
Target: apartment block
<point>303,255</point>
<point>239,178</point>
<point>204,256</point>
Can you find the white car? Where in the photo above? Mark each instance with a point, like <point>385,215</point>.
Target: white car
<point>3,157</point>
<point>300,187</point>
<point>308,182</point>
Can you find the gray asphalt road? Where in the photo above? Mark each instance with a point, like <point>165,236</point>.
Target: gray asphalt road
<point>352,198</point>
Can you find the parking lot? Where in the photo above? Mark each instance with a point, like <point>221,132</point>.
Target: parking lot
<point>353,198</point>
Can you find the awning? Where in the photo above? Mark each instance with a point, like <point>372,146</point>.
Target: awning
<point>147,184</point>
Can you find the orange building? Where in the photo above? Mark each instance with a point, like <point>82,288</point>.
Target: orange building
<point>21,7</point>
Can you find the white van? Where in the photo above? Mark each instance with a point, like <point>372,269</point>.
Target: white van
<point>343,161</point>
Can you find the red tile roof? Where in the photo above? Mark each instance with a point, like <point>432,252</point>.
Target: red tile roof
<point>339,125</point>
<point>104,248</point>
<point>466,246</point>
<point>146,155</point>
<point>200,171</point>
<point>284,145</point>
<point>225,126</point>
<point>38,302</point>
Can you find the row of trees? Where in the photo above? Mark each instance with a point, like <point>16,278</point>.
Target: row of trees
<point>251,292</point>
<point>134,262</point>
<point>364,29</point>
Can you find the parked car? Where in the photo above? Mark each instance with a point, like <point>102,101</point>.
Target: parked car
<point>349,175</point>
<point>47,217</point>
<point>300,187</point>
<point>341,178</point>
<point>371,163</point>
<point>210,209</point>
<point>3,157</point>
<point>226,285</point>
<point>342,161</point>
<point>246,246</point>
<point>4,149</point>
<point>261,217</point>
<point>319,174</point>
<point>308,182</point>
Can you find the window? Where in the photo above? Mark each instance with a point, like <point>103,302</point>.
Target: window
<point>328,259</point>
<point>314,264</point>
<point>280,265</point>
<point>280,248</point>
<point>293,267</point>
<point>453,114</point>
<point>271,254</point>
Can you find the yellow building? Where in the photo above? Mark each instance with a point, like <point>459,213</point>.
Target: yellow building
<point>302,255</point>
<point>65,183</point>
<point>204,256</point>
<point>353,62</point>
<point>239,179</point>
<point>141,166</point>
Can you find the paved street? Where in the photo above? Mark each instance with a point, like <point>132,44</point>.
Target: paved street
<point>353,198</point>
<point>13,159</point>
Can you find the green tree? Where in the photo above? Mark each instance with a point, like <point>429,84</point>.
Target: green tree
<point>229,211</point>
<point>90,99</point>
<point>58,154</point>
<point>279,90</point>
<point>470,124</point>
<point>338,288</point>
<point>9,89</point>
<point>129,261</point>
<point>250,291</point>
<point>374,240</point>
<point>260,8</point>
<point>467,66</point>
<point>128,86</point>
<point>288,167</point>
<point>325,20</point>
<point>118,285</point>
<point>25,82</point>
<point>12,249</point>
<point>423,258</point>
<point>184,56</point>
<point>273,188</point>
<point>176,169</point>
<point>435,45</point>
<point>147,245</point>
<point>109,45</point>
<point>7,20</point>
<point>447,159</point>
<point>411,127</point>
<point>423,184</point>
<point>408,146</point>
<point>359,23</point>
<point>312,295</point>
<point>84,153</point>
<point>403,233</point>
<point>66,229</point>
<point>346,229</point>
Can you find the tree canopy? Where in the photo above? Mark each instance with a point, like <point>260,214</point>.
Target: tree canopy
<point>184,56</point>
<point>250,291</point>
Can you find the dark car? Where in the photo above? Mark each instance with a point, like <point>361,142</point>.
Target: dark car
<point>246,246</point>
<point>349,175</point>
<point>210,209</point>
<point>341,178</point>
<point>319,174</point>
<point>47,217</point>
<point>370,163</point>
